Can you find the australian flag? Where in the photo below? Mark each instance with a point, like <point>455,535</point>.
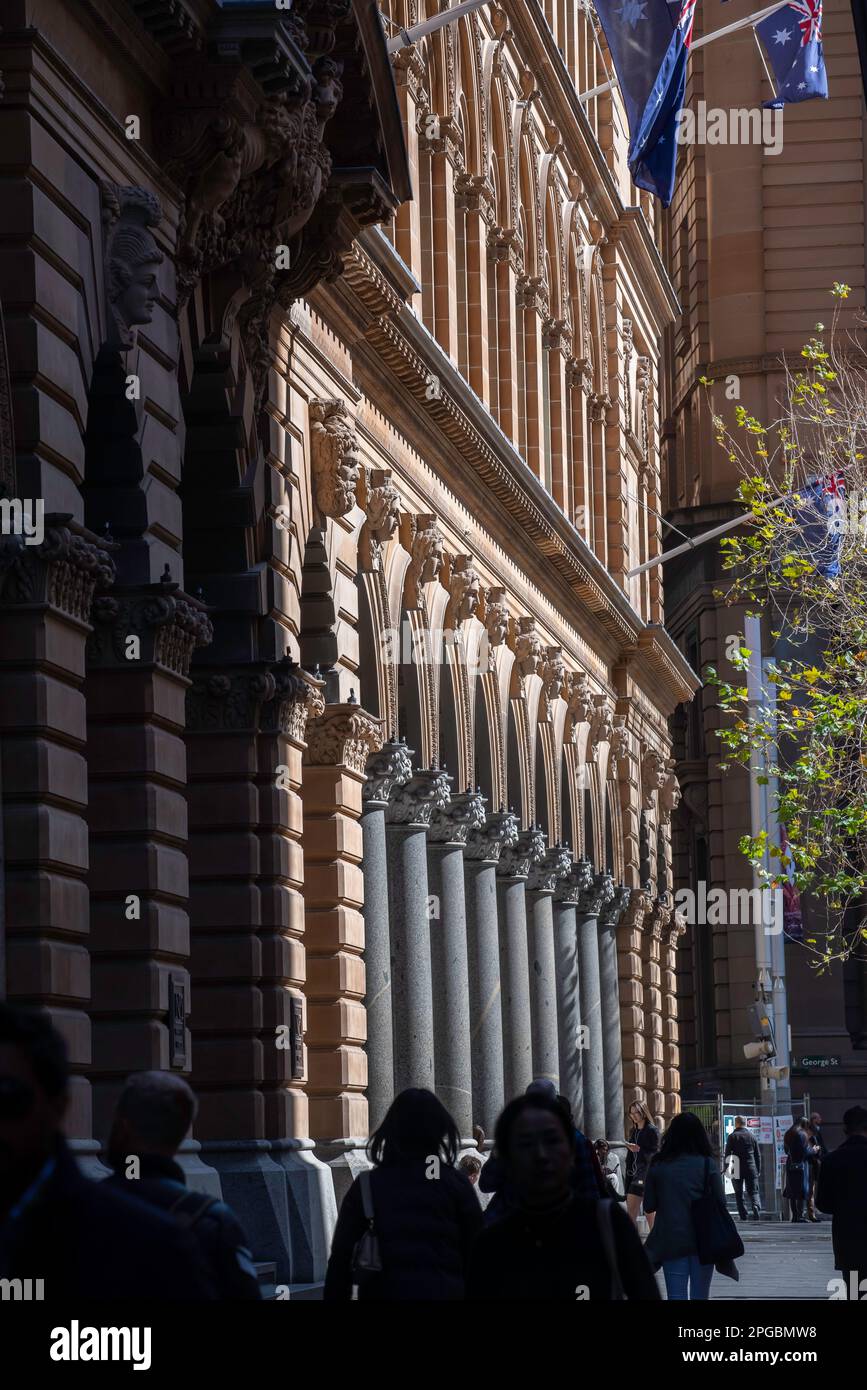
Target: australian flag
<point>649,43</point>
<point>822,516</point>
<point>793,39</point>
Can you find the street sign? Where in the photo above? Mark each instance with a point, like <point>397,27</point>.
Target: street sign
<point>813,1063</point>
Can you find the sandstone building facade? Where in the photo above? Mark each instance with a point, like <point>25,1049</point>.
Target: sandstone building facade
<point>755,243</point>
<point>335,755</point>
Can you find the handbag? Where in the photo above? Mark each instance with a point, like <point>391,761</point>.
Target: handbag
<point>606,1234</point>
<point>716,1235</point>
<point>366,1256</point>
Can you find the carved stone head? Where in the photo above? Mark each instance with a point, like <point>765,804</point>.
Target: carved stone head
<point>131,260</point>
<point>496,616</point>
<point>464,588</point>
<point>382,510</point>
<point>426,550</point>
<point>334,457</point>
<point>528,647</point>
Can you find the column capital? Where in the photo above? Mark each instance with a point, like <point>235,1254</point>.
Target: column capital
<point>678,928</point>
<point>343,736</point>
<point>638,907</point>
<point>258,697</point>
<point>494,841</point>
<point>386,768</point>
<point>522,854</point>
<point>64,571</point>
<point>578,881</point>
<point>593,899</point>
<point>453,823</point>
<point>612,913</point>
<point>413,803</point>
<point>168,624</point>
<point>550,870</point>
<point>660,918</point>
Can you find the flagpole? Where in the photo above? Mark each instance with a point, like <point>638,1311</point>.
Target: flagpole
<point>405,38</point>
<point>750,20</point>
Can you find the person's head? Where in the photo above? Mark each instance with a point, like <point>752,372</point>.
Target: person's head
<point>416,1126</point>
<point>685,1135</point>
<point>154,1115</point>
<point>639,1114</point>
<point>804,1125</point>
<point>739,1121</point>
<point>855,1120</point>
<point>541,1086</point>
<point>471,1166</point>
<point>536,1143</point>
<point>601,1147</point>
<point>34,1078</point>
<point>815,1119</point>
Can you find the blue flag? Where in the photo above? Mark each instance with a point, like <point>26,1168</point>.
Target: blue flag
<point>821,518</point>
<point>793,39</point>
<point>649,43</point>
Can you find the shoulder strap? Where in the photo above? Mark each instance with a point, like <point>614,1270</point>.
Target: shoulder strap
<point>606,1233</point>
<point>366,1196</point>
<point>187,1208</point>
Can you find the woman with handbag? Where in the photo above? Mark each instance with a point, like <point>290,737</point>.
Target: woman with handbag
<point>693,1232</point>
<point>405,1228</point>
<point>796,1185</point>
<point>642,1145</point>
<point>553,1244</point>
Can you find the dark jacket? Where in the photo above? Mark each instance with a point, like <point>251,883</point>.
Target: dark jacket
<point>744,1147</point>
<point>842,1191</point>
<point>647,1139</point>
<point>539,1257</point>
<point>797,1179</point>
<point>670,1191</point>
<point>87,1240</point>
<point>216,1231</point>
<point>425,1227</point>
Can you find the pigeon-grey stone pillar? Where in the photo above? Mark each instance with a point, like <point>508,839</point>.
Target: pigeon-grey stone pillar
<point>569,1030</point>
<point>410,808</point>
<point>447,835</point>
<point>517,857</point>
<point>541,884</point>
<point>482,854</point>
<point>609,983</point>
<point>385,770</point>
<point>590,904</point>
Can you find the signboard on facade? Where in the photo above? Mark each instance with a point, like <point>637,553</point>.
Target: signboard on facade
<point>782,1123</point>
<point>177,1017</point>
<point>814,1063</point>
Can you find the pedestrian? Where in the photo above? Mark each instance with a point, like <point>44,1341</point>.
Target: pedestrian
<point>814,1161</point>
<point>746,1165</point>
<point>681,1172</point>
<point>154,1114</point>
<point>611,1173</point>
<point>587,1178</point>
<point>796,1181</point>
<point>842,1192</point>
<point>642,1144</point>
<point>419,1209</point>
<point>80,1239</point>
<point>818,1132</point>
<point>553,1244</point>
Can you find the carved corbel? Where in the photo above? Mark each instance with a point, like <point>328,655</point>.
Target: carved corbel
<point>425,544</point>
<point>464,586</point>
<point>381,505</point>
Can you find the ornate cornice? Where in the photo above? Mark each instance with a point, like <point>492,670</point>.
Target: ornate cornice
<point>343,736</point>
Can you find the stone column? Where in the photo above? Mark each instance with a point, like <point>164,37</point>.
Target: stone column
<point>485,847</point>
<point>338,744</point>
<point>670,1021</point>
<point>612,1047</point>
<point>138,659</point>
<point>408,817</point>
<point>541,884</point>
<point>590,904</point>
<point>448,832</point>
<point>519,854</point>
<point>386,770</point>
<point>656,927</point>
<point>46,592</point>
<point>569,1028</point>
<point>630,969</point>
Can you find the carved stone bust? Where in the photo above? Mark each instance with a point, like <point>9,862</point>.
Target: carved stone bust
<point>426,550</point>
<point>334,457</point>
<point>382,511</point>
<point>131,260</point>
<point>496,616</point>
<point>464,590</point>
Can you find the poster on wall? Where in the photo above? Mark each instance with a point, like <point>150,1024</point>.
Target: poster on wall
<point>782,1123</point>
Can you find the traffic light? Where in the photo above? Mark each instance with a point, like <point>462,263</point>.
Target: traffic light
<point>762,1029</point>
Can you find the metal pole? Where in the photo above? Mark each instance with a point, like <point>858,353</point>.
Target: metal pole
<point>753,639</point>
<point>407,37</point>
